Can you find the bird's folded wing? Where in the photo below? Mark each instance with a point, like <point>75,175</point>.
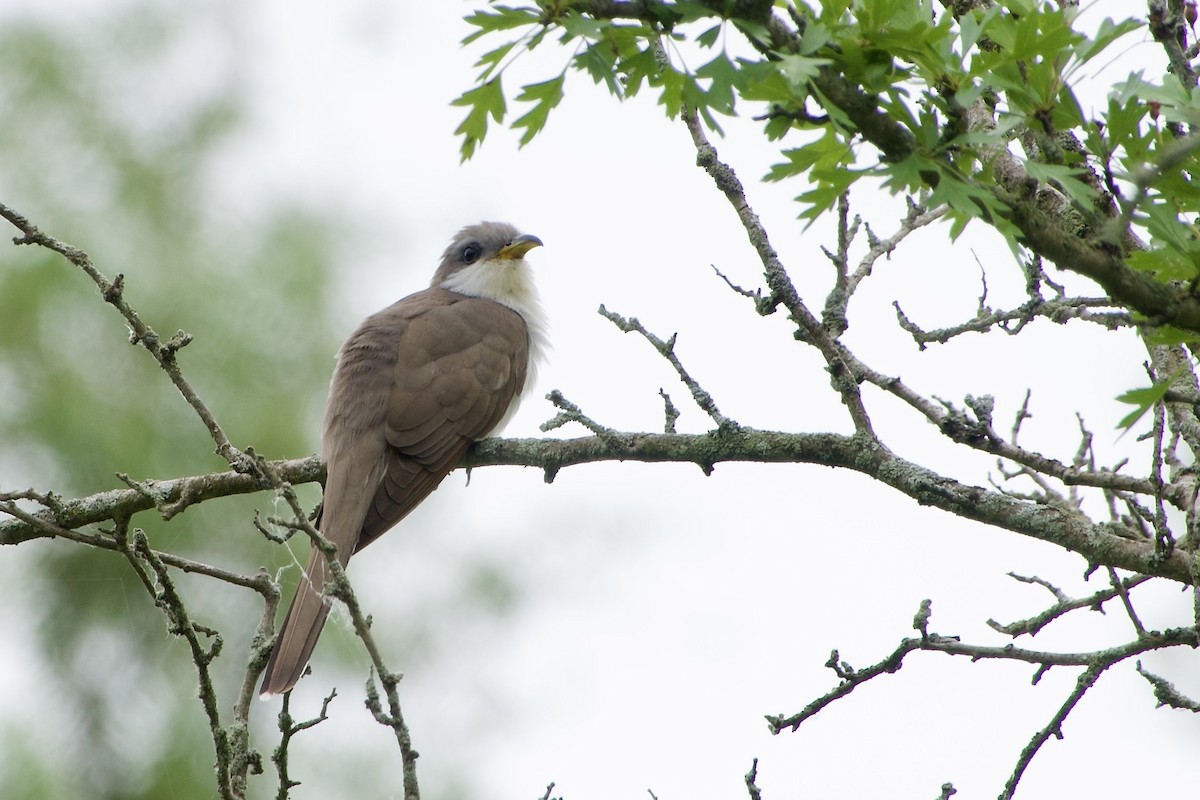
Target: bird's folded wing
<point>461,364</point>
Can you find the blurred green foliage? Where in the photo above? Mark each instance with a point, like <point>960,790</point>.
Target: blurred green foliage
<point>114,127</point>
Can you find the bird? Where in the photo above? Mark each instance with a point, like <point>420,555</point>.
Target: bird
<point>413,387</point>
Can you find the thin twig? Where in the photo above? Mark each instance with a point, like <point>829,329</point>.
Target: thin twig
<point>670,412</point>
<point>287,729</point>
<point>752,782</point>
<point>1123,592</point>
<point>851,679</point>
<point>569,412</point>
<point>1058,311</point>
<point>667,350</point>
<point>1086,681</point>
<point>168,599</point>
<point>917,217</point>
<point>845,380</point>
<point>1066,605</point>
<point>140,333</point>
<point>1166,694</point>
<point>260,582</point>
<point>340,588</point>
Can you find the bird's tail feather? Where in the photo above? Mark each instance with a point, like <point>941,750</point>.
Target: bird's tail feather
<point>301,628</point>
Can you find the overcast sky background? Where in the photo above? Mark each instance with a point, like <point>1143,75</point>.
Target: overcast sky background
<point>657,615</point>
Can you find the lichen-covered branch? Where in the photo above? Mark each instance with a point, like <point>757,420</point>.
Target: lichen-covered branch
<point>288,728</point>
<point>170,496</point>
<point>1104,543</point>
<point>168,599</point>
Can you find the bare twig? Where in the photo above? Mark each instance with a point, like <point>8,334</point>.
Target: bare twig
<point>1123,592</point>
<point>287,729</point>
<point>1058,593</point>
<point>670,412</point>
<point>667,350</point>
<point>1095,663</point>
<point>752,782</point>
<point>170,499</point>
<point>1166,693</point>
<point>339,587</point>
<point>44,528</point>
<point>1059,311</point>
<point>1083,683</point>
<point>764,305</point>
<point>1064,606</point>
<point>168,599</point>
<point>845,380</point>
<point>569,412</point>
<point>834,315</point>
<point>139,332</point>
<point>852,679</point>
<point>916,217</point>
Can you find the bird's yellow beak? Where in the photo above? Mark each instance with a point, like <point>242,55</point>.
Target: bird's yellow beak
<point>519,246</point>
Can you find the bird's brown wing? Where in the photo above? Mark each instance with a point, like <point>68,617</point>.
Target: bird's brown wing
<point>415,385</point>
<point>462,366</point>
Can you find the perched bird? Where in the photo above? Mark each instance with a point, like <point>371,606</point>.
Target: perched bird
<point>414,386</point>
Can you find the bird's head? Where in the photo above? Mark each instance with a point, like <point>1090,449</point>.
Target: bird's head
<point>487,260</point>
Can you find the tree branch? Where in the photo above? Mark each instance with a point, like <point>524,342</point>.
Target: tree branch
<point>174,494</point>
<point>1099,543</point>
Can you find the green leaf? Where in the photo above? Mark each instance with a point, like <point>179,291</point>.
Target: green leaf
<point>722,74</point>
<point>1167,264</point>
<point>973,25</point>
<point>755,32</point>
<point>831,185</point>
<point>832,10</point>
<point>1162,221</point>
<point>883,15</point>
<point>1108,33</point>
<point>1145,399</point>
<point>777,127</point>
<point>672,81</point>
<point>545,96</point>
<point>912,174</point>
<point>799,70</point>
<point>637,68</point>
<point>815,36</point>
<point>500,18</point>
<point>484,100</point>
<point>599,61</point>
<point>492,58</point>
<point>827,153</point>
<point>1065,178</point>
<point>763,81</point>
<point>1170,336</point>
<point>582,26</point>
<point>709,37</point>
<point>964,196</point>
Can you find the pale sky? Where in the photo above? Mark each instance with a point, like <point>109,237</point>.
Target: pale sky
<point>659,614</point>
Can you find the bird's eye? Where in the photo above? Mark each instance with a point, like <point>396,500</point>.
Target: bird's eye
<point>470,253</point>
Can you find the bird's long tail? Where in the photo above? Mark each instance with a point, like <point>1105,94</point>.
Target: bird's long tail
<point>301,628</point>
